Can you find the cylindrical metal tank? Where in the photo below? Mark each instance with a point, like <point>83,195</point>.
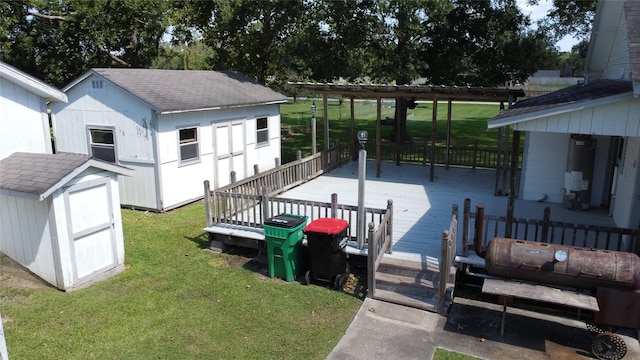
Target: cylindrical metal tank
<point>578,176</point>
<point>562,265</point>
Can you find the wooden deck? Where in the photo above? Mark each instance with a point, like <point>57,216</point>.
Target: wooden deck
<point>422,209</point>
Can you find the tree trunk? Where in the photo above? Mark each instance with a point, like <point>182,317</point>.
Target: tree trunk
<point>400,123</point>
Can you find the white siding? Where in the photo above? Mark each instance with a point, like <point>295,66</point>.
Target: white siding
<point>627,201</point>
<point>182,183</point>
<point>25,235</point>
<point>24,125</point>
<point>618,66</point>
<point>616,119</point>
<point>108,106</point>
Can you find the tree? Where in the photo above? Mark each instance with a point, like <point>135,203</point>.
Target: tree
<point>569,17</point>
<point>57,40</point>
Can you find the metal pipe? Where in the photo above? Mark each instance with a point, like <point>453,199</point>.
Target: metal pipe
<point>479,228</point>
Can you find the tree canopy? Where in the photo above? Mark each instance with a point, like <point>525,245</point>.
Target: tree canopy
<point>450,42</point>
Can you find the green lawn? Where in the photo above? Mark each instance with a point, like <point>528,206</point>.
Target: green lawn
<point>177,301</point>
<point>469,123</point>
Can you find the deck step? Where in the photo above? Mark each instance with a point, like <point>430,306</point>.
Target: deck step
<point>424,303</point>
<point>409,283</point>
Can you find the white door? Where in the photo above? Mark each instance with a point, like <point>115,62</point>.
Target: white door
<point>230,152</point>
<point>90,222</point>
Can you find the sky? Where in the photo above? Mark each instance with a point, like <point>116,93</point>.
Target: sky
<point>539,11</point>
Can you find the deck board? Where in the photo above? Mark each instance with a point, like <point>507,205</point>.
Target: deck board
<point>422,209</point>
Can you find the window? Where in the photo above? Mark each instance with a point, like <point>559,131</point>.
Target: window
<point>262,131</point>
<point>102,144</point>
<point>189,144</point>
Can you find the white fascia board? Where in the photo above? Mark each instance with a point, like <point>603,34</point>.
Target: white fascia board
<point>120,170</point>
<point>32,84</point>
<point>221,107</point>
<point>558,110</point>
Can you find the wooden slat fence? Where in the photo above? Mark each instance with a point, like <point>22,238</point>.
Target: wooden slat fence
<point>379,242</point>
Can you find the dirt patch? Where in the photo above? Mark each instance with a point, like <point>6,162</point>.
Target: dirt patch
<point>17,276</point>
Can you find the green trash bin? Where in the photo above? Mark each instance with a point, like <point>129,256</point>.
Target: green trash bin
<point>282,234</point>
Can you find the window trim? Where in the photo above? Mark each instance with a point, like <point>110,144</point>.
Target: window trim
<point>181,144</point>
<point>263,130</point>
<point>112,129</point>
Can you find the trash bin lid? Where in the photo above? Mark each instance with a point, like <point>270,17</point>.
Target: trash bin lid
<point>285,220</point>
<point>329,226</point>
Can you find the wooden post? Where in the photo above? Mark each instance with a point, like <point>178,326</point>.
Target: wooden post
<point>475,153</point>
<point>298,155</point>
<point>466,218</point>
<point>434,118</point>
<point>448,135</point>
<point>378,135</point>
<point>497,190</point>
<point>637,251</point>
<point>544,235</point>
<point>444,270</point>
<point>512,183</point>
<point>372,255</point>
<point>256,169</point>
<point>264,200</point>
<point>354,140</point>
<point>207,203</point>
<point>334,205</point>
<point>325,113</point>
<point>232,177</point>
<point>390,225</point>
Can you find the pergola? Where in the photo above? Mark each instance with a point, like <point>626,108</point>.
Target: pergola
<point>417,92</point>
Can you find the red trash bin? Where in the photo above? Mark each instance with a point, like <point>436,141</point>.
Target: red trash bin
<point>326,242</point>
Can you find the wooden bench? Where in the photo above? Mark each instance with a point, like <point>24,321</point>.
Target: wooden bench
<point>510,289</point>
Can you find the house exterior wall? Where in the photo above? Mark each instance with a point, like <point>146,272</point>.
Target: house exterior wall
<point>182,182</point>
<point>111,107</point>
<point>626,212</point>
<point>24,123</point>
<point>618,66</point>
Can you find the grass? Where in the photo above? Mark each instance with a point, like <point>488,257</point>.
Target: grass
<point>442,354</point>
<point>176,300</point>
<point>469,123</point>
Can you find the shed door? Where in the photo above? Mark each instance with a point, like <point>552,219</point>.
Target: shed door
<point>90,222</point>
<point>230,152</point>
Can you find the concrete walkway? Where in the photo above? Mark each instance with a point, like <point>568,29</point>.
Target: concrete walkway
<point>382,330</point>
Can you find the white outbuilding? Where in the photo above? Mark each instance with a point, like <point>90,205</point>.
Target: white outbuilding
<point>60,217</point>
<point>175,128</point>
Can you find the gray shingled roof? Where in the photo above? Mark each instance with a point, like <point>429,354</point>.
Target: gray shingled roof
<point>574,94</point>
<point>40,174</point>
<point>189,90</point>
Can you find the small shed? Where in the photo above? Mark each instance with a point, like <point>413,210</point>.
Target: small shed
<point>60,217</point>
<point>175,128</point>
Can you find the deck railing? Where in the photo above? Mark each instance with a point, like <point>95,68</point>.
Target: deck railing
<point>420,152</point>
<point>249,210</point>
<point>379,242</point>
<point>447,256</point>
<point>557,232</point>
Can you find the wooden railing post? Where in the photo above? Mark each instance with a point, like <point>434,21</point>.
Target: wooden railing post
<point>466,218</point>
<point>390,225</point>
<point>264,199</point>
<point>544,235</point>
<point>232,177</point>
<point>298,155</point>
<point>637,247</point>
<point>372,255</point>
<point>256,169</point>
<point>444,270</point>
<point>334,205</point>
<point>207,203</point>
<point>475,153</point>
